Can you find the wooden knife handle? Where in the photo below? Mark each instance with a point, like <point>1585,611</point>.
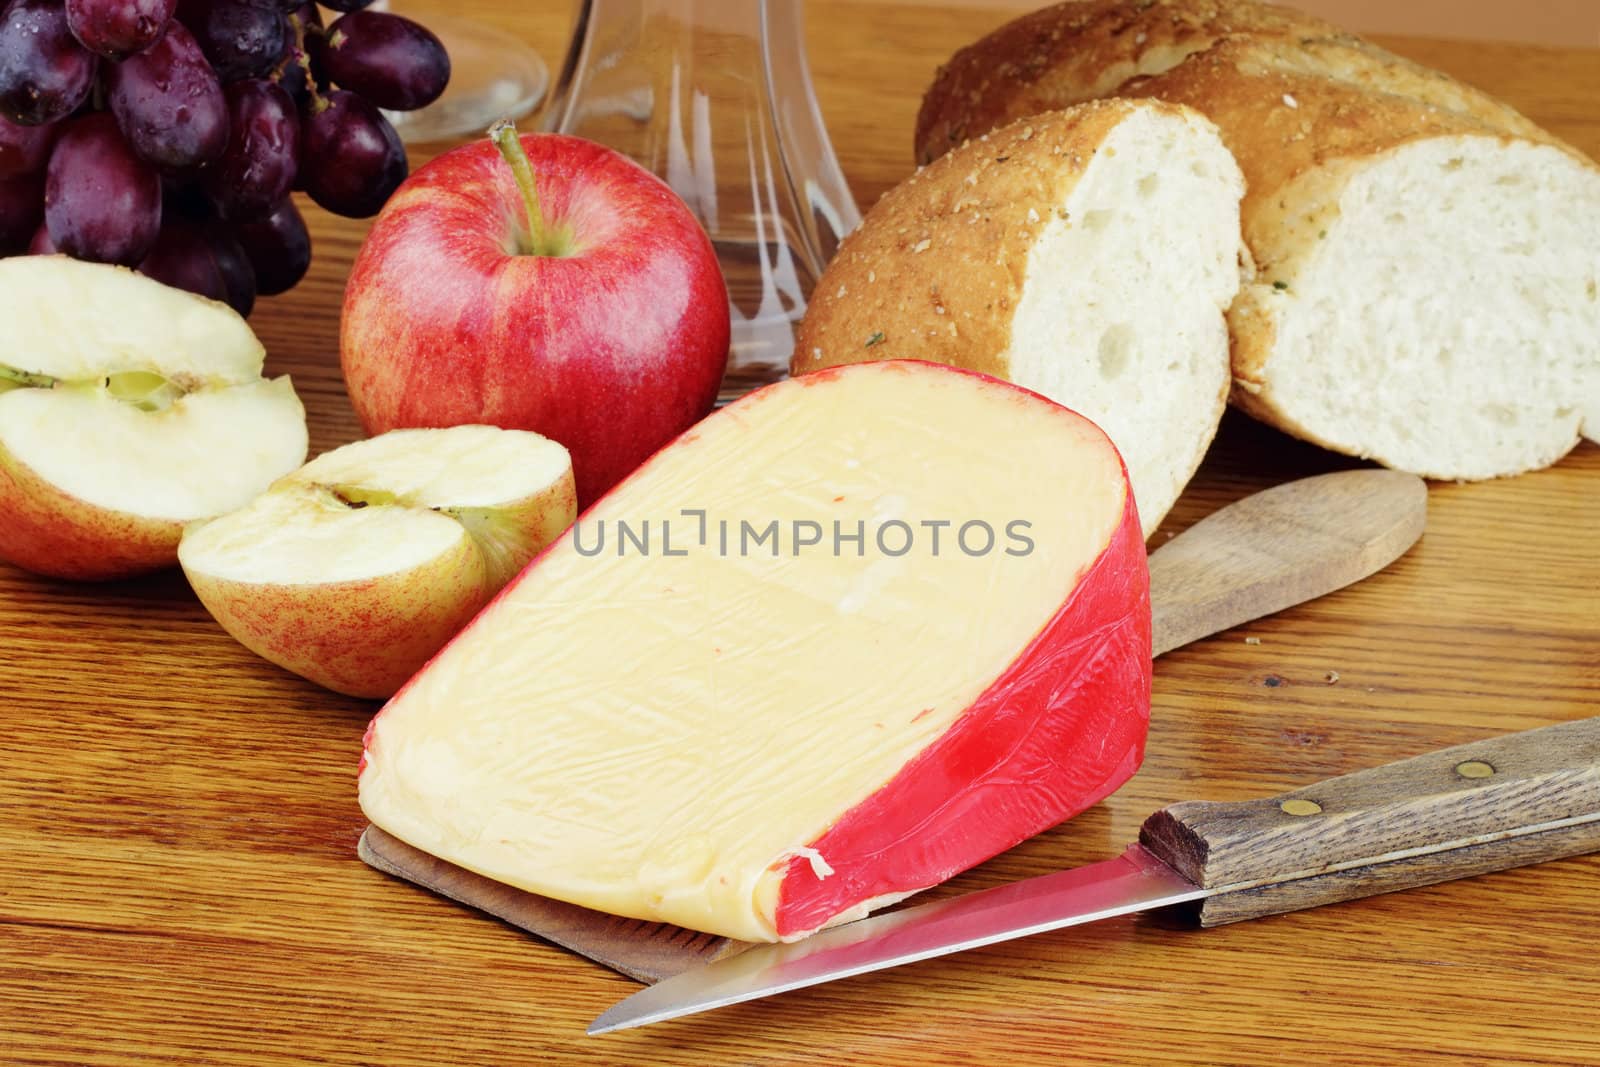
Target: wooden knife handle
<point>1505,802</point>
<point>1281,547</point>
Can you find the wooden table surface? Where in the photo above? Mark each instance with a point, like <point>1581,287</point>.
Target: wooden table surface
<point>178,819</point>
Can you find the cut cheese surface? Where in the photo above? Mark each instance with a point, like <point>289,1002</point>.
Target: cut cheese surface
<point>709,704</point>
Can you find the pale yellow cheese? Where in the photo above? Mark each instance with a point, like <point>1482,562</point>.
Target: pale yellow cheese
<point>650,735</point>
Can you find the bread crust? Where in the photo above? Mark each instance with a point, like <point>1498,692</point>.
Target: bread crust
<point>935,270</point>
<point>1301,103</point>
<point>1087,49</point>
<point>1073,52</point>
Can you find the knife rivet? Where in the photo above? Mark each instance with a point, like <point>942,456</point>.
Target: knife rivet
<point>1474,768</point>
<point>1301,807</point>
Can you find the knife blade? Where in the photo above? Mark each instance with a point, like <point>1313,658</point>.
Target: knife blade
<point>1486,806</point>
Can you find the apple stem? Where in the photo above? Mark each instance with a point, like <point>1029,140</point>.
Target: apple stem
<point>504,135</point>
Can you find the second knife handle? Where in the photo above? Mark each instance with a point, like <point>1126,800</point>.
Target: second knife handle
<point>1487,806</point>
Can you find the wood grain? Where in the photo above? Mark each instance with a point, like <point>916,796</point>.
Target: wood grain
<point>178,822</point>
<point>1523,798</point>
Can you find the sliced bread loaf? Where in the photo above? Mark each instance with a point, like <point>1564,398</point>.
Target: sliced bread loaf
<point>1087,255</point>
<point>1428,259</point>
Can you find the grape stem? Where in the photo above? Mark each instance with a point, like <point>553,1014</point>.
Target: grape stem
<point>298,56</point>
<point>541,239</point>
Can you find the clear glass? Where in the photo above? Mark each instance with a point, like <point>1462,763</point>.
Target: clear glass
<point>715,96</point>
<point>493,76</point>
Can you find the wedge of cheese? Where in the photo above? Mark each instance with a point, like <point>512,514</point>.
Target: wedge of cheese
<point>845,638</point>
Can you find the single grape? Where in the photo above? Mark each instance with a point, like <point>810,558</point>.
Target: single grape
<point>182,257</point>
<point>41,245</point>
<point>203,259</point>
<point>101,201</point>
<point>118,28</point>
<point>238,277</point>
<point>24,149</point>
<point>169,103</point>
<point>257,168</point>
<point>241,38</point>
<point>21,210</point>
<point>390,60</point>
<point>347,5</point>
<point>44,72</point>
<point>352,158</point>
<point>278,247</point>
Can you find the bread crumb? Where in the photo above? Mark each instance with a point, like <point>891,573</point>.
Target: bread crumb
<point>1290,101</point>
<point>1252,640</point>
<point>1033,216</point>
<point>872,276</point>
<point>841,290</point>
<point>922,245</point>
<point>1027,133</point>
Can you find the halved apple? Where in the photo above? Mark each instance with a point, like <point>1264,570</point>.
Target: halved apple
<point>127,410</point>
<point>354,570</point>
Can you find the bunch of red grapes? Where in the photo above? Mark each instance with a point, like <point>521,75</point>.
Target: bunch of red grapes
<point>166,135</point>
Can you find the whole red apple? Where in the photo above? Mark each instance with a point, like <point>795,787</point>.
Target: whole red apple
<point>541,283</point>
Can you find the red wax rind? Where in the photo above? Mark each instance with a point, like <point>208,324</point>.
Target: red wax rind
<point>1058,732</point>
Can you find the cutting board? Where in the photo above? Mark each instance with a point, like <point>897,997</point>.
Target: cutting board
<point>1267,552</point>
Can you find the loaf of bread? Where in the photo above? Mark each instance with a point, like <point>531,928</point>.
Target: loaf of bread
<point>1427,259</point>
<point>1088,255</point>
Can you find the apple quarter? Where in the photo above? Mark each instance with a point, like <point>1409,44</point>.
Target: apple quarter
<point>759,737</point>
<point>359,566</point>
